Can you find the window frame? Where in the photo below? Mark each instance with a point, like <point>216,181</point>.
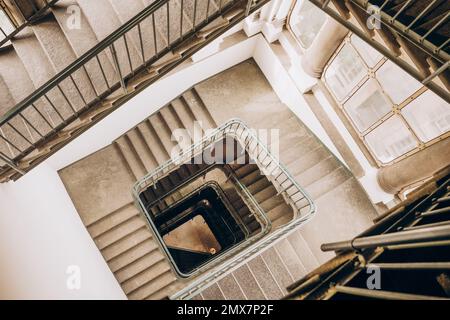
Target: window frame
<point>301,3</point>
<point>395,109</point>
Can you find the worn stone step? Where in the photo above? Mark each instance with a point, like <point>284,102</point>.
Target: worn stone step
<point>131,156</point>
<point>303,251</point>
<point>213,292</point>
<point>78,87</point>
<point>104,21</point>
<point>157,277</point>
<point>136,252</point>
<point>230,288</point>
<point>126,243</point>
<point>110,221</point>
<point>119,232</point>
<point>138,266</point>
<point>265,278</point>
<point>293,263</point>
<point>193,100</point>
<point>248,283</point>
<point>143,151</point>
<point>164,134</point>
<point>82,38</point>
<point>278,269</point>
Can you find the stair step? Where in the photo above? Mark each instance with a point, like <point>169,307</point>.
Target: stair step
<point>143,151</point>
<point>136,267</point>
<point>81,40</point>
<point>40,70</point>
<point>248,283</point>
<point>310,262</point>
<point>157,277</point>
<point>53,41</point>
<point>104,21</point>
<point>126,243</point>
<point>119,232</point>
<point>110,221</point>
<point>153,142</point>
<point>137,252</point>
<point>293,263</point>
<point>230,288</point>
<point>188,119</point>
<point>131,156</point>
<point>213,292</point>
<point>193,100</point>
<point>178,133</point>
<point>318,171</point>
<point>298,147</point>
<point>328,183</point>
<point>307,160</point>
<point>277,268</point>
<point>164,134</point>
<point>265,278</point>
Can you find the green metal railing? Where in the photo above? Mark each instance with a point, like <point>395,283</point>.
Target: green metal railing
<point>302,205</point>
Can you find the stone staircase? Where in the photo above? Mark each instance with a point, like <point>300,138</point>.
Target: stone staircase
<point>50,44</point>
<point>100,187</point>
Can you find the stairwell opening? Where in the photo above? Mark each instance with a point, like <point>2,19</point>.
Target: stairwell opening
<point>199,228</point>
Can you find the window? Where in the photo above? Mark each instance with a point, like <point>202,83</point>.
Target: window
<point>6,26</point>
<point>346,71</point>
<point>305,22</point>
<point>394,114</point>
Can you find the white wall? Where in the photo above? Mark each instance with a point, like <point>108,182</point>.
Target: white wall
<point>41,235</point>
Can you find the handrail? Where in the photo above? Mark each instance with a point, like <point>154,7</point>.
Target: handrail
<point>77,64</point>
<point>276,173</point>
<point>27,21</point>
<point>36,127</point>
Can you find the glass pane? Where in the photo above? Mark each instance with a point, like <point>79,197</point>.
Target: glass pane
<point>367,105</point>
<point>391,140</point>
<point>428,115</point>
<point>345,72</point>
<point>306,22</point>
<point>369,54</point>
<point>397,83</point>
<point>5,25</point>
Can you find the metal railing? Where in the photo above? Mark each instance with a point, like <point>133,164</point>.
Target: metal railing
<point>302,205</point>
<point>241,190</point>
<point>422,46</point>
<point>18,26</point>
<point>106,76</point>
<point>405,245</point>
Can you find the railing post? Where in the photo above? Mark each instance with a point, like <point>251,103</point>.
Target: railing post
<point>250,3</point>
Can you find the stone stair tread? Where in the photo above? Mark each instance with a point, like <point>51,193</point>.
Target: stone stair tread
<point>278,269</point>
<point>119,232</point>
<point>110,221</point>
<point>290,259</point>
<point>213,292</point>
<point>163,279</point>
<point>131,156</point>
<point>125,244</point>
<point>230,288</point>
<point>191,98</point>
<point>138,266</point>
<point>248,283</point>
<point>142,150</point>
<point>131,255</point>
<point>265,278</point>
<point>303,251</point>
